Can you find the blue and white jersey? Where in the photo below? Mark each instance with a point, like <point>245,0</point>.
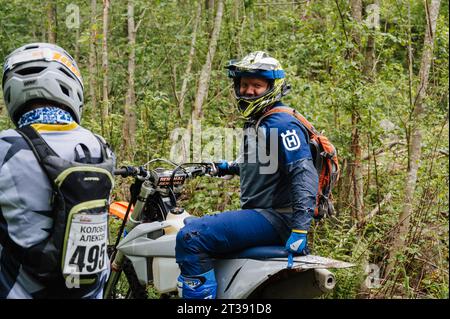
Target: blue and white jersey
<point>25,210</point>
<point>277,173</point>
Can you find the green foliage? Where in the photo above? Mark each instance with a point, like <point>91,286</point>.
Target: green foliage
<point>325,69</point>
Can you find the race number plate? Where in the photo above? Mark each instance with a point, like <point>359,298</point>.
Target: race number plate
<point>86,245</point>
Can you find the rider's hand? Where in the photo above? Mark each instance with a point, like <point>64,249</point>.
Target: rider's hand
<point>222,168</point>
<point>297,243</point>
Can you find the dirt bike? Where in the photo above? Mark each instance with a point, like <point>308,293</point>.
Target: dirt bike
<point>145,247</point>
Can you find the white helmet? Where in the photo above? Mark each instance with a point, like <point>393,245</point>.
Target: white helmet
<point>41,71</point>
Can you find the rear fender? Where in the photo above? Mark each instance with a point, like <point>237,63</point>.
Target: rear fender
<point>270,278</point>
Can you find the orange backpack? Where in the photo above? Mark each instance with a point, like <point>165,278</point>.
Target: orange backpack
<point>325,161</point>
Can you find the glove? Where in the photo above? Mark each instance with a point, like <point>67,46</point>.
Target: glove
<point>297,243</point>
<point>222,168</point>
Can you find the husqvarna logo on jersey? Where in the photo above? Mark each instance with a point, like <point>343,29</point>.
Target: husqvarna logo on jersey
<point>291,140</point>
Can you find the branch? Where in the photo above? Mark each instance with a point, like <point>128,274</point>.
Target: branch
<point>140,20</point>
<point>202,89</point>
<point>386,199</point>
<point>389,146</point>
<point>343,25</point>
<point>187,72</point>
<point>174,83</point>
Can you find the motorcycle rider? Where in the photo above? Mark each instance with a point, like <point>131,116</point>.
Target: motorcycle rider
<point>42,88</point>
<point>277,204</point>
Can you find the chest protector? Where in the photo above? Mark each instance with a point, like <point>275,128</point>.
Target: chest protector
<point>77,244</point>
<point>325,160</point>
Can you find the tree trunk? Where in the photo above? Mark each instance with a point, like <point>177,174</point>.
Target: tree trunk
<point>209,6</point>
<point>187,72</point>
<point>239,25</point>
<point>357,179</point>
<point>51,21</point>
<point>93,57</point>
<point>370,61</point>
<point>356,7</point>
<point>129,124</point>
<point>105,102</point>
<point>369,75</point>
<point>416,133</point>
<point>202,90</point>
<point>77,44</point>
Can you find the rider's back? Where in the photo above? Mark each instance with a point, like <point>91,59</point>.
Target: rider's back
<point>25,195</point>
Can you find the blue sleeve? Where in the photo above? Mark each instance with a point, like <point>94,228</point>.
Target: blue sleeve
<point>296,160</point>
<point>304,185</point>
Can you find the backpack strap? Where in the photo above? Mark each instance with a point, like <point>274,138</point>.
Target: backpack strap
<point>284,109</point>
<point>40,151</point>
<point>105,147</point>
<point>87,158</point>
<point>38,145</point>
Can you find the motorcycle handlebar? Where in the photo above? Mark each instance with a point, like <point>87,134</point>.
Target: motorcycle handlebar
<point>209,168</point>
<point>190,172</point>
<point>203,169</point>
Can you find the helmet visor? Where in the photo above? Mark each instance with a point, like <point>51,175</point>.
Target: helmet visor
<point>265,74</point>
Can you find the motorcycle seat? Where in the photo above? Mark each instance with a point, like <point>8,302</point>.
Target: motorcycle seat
<point>260,252</point>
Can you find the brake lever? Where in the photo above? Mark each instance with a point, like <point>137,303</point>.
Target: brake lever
<point>143,174</point>
<point>212,169</point>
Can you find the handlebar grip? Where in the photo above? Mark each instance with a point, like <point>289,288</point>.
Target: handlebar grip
<point>206,168</point>
<point>126,171</point>
<point>120,171</point>
<point>198,171</point>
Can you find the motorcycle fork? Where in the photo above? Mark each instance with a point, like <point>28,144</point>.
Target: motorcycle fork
<point>134,220</point>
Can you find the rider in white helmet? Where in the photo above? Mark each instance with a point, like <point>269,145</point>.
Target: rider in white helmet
<point>43,89</point>
<point>278,193</point>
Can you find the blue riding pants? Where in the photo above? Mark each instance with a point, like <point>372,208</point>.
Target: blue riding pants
<point>218,234</point>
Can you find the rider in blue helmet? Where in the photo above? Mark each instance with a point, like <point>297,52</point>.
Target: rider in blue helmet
<point>277,201</point>
<point>257,66</point>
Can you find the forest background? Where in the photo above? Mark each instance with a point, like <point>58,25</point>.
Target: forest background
<point>371,75</point>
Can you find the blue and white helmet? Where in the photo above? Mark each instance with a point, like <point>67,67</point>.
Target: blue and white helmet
<point>41,71</point>
<point>258,65</point>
